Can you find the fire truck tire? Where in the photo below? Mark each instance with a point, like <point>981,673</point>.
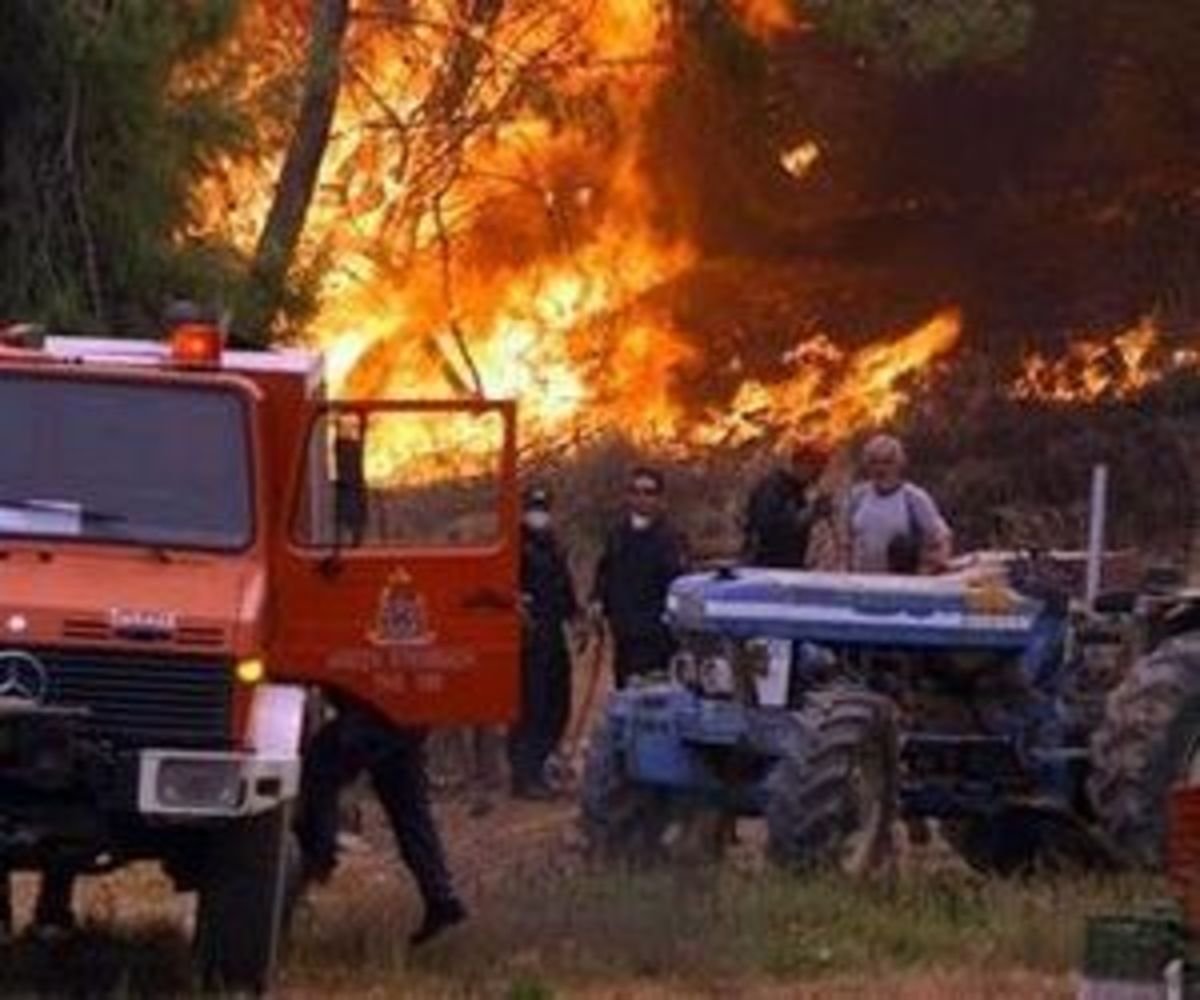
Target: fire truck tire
<point>621,820</point>
<point>1149,740</point>
<point>832,797</point>
<point>240,911</point>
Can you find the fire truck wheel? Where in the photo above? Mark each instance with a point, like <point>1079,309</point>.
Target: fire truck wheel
<point>831,799</point>
<point>621,820</point>
<point>240,911</point>
<point>1149,740</point>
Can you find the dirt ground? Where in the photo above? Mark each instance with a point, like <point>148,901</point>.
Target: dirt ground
<point>514,861</point>
<point>544,925</point>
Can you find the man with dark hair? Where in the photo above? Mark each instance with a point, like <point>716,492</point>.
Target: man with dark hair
<point>780,512</point>
<point>548,598</point>
<point>641,557</point>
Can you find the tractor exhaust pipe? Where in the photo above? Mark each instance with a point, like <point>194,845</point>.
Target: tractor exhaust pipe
<point>1096,526</point>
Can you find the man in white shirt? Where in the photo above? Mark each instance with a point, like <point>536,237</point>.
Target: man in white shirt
<point>892,525</point>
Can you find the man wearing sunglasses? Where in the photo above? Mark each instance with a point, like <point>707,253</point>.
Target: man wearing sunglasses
<point>641,557</point>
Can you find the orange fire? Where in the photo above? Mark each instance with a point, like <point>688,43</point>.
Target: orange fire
<point>1112,369</point>
<point>766,18</point>
<point>515,250</point>
<point>828,392</point>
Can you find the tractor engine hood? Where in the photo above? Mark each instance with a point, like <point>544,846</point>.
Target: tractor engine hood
<point>129,598</point>
<point>965,611</point>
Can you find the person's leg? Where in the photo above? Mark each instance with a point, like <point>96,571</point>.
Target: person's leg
<point>522,734</point>
<point>664,647</point>
<point>53,910</point>
<point>557,701</point>
<point>333,758</point>
<point>639,655</point>
<point>402,786</point>
<point>624,658</point>
<point>6,907</point>
<point>541,739</point>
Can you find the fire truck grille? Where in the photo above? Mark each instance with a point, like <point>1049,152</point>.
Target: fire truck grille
<point>146,701</point>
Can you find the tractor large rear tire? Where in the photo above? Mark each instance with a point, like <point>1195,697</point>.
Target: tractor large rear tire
<point>622,821</point>
<point>240,911</point>
<point>832,799</point>
<point>1149,741</point>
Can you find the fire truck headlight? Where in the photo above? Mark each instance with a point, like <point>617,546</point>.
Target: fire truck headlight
<point>251,671</point>
<point>200,784</point>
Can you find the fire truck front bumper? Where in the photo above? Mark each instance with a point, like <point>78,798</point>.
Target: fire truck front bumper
<point>197,784</point>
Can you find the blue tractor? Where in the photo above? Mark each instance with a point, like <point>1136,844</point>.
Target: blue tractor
<point>834,706</point>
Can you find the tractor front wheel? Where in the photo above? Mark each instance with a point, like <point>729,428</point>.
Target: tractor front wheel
<point>831,799</point>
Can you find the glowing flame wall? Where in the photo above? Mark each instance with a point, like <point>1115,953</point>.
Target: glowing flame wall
<point>498,233</point>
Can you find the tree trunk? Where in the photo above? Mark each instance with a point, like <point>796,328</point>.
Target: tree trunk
<point>297,180</point>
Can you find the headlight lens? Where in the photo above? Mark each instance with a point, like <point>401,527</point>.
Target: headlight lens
<point>687,610</point>
<point>200,784</point>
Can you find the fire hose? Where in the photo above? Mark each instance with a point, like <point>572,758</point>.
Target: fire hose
<point>594,656</point>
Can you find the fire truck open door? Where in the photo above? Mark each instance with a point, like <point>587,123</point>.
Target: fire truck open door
<point>399,579</point>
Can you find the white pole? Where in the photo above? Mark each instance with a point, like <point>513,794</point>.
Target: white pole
<point>1099,512</point>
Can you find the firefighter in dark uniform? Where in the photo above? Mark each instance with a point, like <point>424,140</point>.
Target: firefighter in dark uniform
<point>781,511</point>
<point>641,557</point>
<point>357,740</point>
<point>548,597</point>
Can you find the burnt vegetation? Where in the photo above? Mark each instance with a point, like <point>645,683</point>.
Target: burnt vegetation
<point>1033,163</point>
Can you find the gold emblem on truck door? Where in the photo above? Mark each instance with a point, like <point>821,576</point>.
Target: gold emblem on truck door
<point>401,618</point>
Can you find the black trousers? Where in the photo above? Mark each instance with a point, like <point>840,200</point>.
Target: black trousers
<point>641,651</point>
<point>353,742</point>
<point>545,702</point>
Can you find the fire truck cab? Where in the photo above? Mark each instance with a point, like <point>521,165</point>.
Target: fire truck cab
<point>193,542</point>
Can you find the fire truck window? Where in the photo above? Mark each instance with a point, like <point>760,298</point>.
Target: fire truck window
<point>403,479</point>
<point>124,463</point>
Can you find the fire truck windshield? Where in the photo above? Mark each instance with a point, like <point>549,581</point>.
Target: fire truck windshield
<point>124,462</point>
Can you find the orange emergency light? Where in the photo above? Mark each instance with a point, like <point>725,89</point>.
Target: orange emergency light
<point>196,345</point>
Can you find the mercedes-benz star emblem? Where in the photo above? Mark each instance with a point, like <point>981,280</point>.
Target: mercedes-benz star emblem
<point>23,676</point>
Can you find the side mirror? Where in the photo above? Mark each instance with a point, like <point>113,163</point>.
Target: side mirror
<point>350,480</point>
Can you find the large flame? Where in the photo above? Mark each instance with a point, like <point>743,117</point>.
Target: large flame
<point>1114,368</point>
<point>515,249</point>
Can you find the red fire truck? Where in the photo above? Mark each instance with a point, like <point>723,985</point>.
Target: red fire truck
<point>193,541</point>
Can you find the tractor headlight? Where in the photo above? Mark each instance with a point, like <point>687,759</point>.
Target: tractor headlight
<point>685,669</point>
<point>716,677</point>
<point>686,609</point>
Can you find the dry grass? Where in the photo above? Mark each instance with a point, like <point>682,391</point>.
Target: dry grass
<point>705,932</point>
<point>544,926</point>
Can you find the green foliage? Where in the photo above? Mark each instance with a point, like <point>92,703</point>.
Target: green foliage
<point>925,36</point>
<point>98,148</point>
